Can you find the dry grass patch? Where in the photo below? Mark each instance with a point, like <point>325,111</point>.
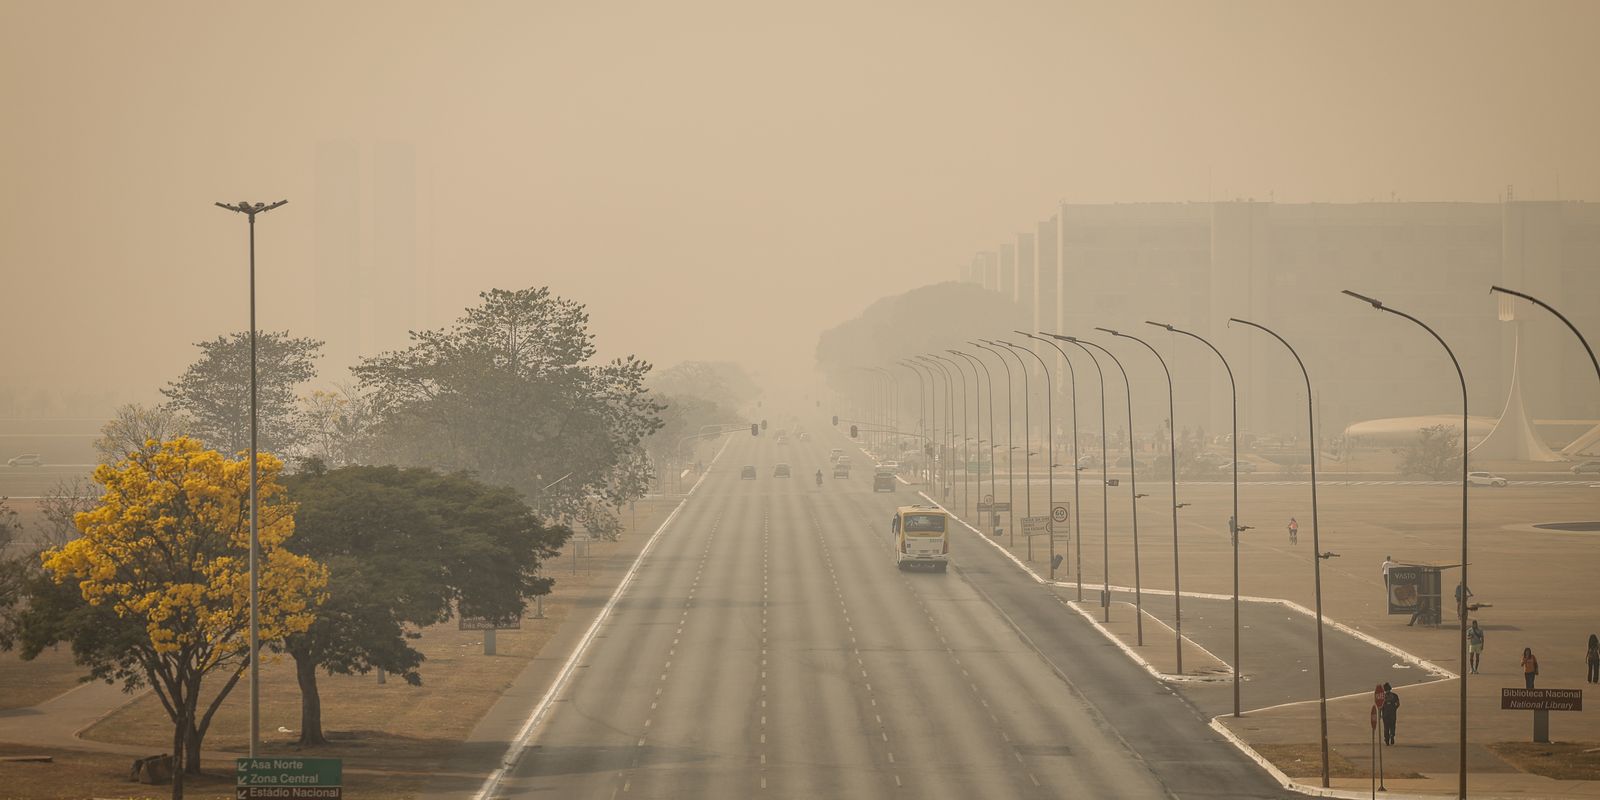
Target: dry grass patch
<point>29,683</point>
<point>1566,761</point>
<point>1305,761</point>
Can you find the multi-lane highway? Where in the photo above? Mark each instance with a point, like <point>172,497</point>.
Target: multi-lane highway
<point>768,647</point>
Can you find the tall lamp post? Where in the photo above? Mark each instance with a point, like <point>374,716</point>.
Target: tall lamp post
<point>976,364</point>
<point>1011,474</point>
<point>1027,457</point>
<point>1172,451</point>
<point>250,210</point>
<point>1133,496</point>
<point>922,408</point>
<point>1077,505</point>
<point>966,435</point>
<point>1546,306</point>
<point>1316,547</point>
<point>1462,643</point>
<point>1235,528</point>
<point>1105,478</point>
<point>1050,451</point>
<point>949,416</point>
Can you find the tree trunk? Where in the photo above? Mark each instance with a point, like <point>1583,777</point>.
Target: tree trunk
<point>191,751</point>
<point>180,736</point>
<point>305,669</point>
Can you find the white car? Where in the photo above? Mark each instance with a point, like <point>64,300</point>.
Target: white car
<point>26,460</point>
<point>1485,479</point>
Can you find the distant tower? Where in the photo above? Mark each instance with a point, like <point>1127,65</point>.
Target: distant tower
<point>1513,437</point>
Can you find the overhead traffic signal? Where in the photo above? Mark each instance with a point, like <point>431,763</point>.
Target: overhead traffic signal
<point>755,430</point>
<point>763,424</point>
<point>835,420</point>
<point>854,433</point>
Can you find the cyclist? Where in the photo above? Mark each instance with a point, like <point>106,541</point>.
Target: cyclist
<point>819,479</point>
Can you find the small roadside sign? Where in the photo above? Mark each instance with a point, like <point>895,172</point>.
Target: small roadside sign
<point>1000,506</point>
<point>1541,699</point>
<point>490,624</point>
<point>289,779</point>
<point>1060,511</point>
<point>1035,526</point>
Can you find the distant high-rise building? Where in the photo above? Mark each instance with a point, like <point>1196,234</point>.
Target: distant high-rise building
<point>365,250</point>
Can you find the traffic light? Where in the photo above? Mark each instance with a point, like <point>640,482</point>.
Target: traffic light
<point>835,420</point>
<point>854,433</point>
<point>755,430</point>
<point>763,424</point>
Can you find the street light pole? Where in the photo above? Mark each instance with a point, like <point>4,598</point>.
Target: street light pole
<point>1172,452</point>
<point>976,363</point>
<point>250,210</point>
<point>1233,522</point>
<point>922,413</point>
<point>1011,474</point>
<point>1050,449</point>
<point>1462,638</point>
<point>1316,547</point>
<point>1105,477</point>
<point>966,434</point>
<point>950,420</point>
<point>1027,458</point>
<point>1133,496</point>
<point>1077,504</point>
<point>977,416</point>
<point>1546,306</point>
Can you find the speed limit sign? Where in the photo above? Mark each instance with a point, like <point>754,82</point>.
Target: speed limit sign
<point>1059,512</point>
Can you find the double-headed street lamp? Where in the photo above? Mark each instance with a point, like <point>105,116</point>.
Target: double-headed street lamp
<point>1234,526</point>
<point>1378,304</point>
<point>1316,547</point>
<point>1105,479</point>
<point>1011,474</point>
<point>949,415</point>
<point>1172,451</point>
<point>966,435</point>
<point>922,408</point>
<point>250,210</point>
<point>1077,505</point>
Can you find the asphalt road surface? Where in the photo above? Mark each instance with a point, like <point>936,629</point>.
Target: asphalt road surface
<point>769,647</point>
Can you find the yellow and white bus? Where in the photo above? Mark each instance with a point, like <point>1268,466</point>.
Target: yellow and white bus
<point>921,537</point>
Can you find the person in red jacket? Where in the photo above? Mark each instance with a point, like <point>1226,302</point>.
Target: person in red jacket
<point>1530,666</point>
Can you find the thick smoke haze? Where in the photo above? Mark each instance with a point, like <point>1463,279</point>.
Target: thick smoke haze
<point>715,180</point>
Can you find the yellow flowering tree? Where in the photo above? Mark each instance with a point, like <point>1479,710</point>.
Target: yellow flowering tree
<point>167,550</point>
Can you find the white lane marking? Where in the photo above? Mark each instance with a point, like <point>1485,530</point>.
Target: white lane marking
<point>519,743</point>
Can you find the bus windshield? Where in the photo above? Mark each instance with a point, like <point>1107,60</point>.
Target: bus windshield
<point>924,524</point>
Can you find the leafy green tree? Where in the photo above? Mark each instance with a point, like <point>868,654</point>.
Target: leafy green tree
<point>1435,454</point>
<point>214,392</point>
<point>13,565</point>
<point>506,392</point>
<point>404,546</point>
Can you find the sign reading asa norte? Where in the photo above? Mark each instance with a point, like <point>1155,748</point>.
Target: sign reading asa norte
<point>289,779</point>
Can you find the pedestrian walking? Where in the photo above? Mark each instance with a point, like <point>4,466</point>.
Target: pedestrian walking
<point>1474,645</point>
<point>1294,531</point>
<point>1530,667</point>
<point>1390,712</point>
<point>1594,658</point>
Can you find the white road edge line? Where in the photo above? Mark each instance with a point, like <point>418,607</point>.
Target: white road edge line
<point>1295,786</point>
<point>519,744</point>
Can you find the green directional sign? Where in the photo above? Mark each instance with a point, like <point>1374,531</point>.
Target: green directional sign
<point>289,779</point>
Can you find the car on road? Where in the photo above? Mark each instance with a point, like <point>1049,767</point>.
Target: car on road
<point>883,482</point>
<point>1244,466</point>
<point>1586,466</point>
<point>780,471</point>
<point>887,467</point>
<point>1485,479</point>
<point>26,460</point>
<point>748,473</point>
<point>805,437</point>
<point>834,454</point>
<point>841,470</point>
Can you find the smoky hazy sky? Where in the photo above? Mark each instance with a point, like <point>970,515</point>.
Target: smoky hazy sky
<point>716,180</point>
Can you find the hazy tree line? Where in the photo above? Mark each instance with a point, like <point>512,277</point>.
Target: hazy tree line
<point>437,482</point>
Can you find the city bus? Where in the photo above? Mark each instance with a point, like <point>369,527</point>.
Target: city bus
<point>921,537</point>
